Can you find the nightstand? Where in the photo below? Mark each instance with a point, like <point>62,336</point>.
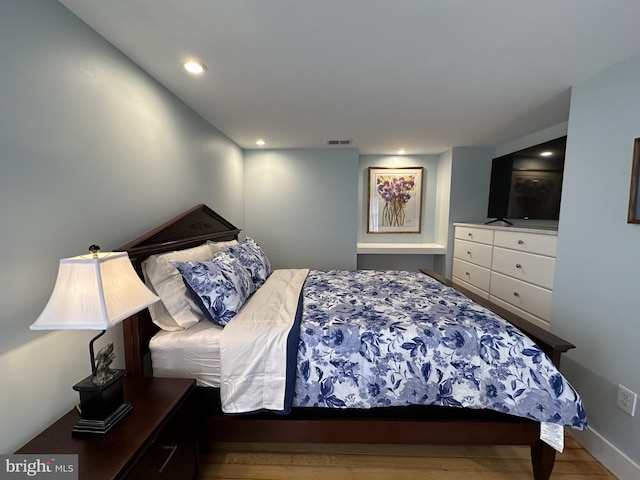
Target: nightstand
<point>158,439</point>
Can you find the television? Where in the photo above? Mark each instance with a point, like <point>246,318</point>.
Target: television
<point>527,184</point>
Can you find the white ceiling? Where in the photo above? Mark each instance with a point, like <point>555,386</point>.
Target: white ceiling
<point>425,75</point>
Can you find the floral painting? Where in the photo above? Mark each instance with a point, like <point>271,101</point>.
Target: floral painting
<point>395,200</point>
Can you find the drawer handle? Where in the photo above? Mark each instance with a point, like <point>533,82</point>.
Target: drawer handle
<point>171,450</point>
<point>470,235</point>
<point>468,253</point>
<point>516,294</point>
<point>518,265</point>
<point>520,242</point>
<point>467,274</point>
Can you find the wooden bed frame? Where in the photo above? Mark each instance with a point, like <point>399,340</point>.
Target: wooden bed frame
<point>423,425</point>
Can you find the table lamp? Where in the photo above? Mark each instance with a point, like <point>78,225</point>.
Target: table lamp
<point>94,292</point>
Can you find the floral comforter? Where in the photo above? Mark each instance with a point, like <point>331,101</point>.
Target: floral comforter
<point>387,338</point>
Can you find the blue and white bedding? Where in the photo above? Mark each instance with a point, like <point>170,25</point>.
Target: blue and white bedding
<point>389,338</point>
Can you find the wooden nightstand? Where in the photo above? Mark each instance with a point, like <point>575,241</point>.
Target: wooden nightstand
<point>158,439</point>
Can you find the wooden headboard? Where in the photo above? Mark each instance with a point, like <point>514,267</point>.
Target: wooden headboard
<point>189,229</point>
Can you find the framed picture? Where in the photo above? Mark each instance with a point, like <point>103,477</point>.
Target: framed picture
<point>395,200</point>
<point>634,196</point>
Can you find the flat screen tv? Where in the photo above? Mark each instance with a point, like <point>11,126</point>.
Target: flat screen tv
<point>527,184</point>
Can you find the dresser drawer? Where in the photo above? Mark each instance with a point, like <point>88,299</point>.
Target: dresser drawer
<point>171,453</point>
<point>527,267</point>
<point>473,274</point>
<point>521,313</point>
<point>459,283</point>
<point>477,253</point>
<point>527,242</point>
<point>480,235</point>
<point>532,299</point>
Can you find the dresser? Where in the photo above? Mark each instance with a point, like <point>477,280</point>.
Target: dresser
<point>509,266</point>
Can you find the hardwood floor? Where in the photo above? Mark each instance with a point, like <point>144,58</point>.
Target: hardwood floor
<point>239,461</point>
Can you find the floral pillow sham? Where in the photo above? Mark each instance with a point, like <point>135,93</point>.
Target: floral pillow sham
<point>219,286</point>
<point>251,256</point>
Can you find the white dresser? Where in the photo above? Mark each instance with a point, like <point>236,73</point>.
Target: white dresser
<point>510,266</point>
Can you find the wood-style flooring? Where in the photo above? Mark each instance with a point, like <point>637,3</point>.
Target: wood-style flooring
<point>253,461</point>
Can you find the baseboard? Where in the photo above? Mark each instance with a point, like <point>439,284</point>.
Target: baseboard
<point>606,453</point>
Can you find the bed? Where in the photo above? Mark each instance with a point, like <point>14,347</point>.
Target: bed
<point>391,424</point>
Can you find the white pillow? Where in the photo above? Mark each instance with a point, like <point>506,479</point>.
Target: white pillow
<point>176,310</point>
<point>221,246</point>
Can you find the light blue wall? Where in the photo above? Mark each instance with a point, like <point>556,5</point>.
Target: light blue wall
<point>555,131</point>
<point>300,206</point>
<point>469,189</point>
<point>596,287</point>
<point>442,263</point>
<point>325,191</point>
<point>92,150</point>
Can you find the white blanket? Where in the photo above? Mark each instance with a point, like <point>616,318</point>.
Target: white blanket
<point>253,346</point>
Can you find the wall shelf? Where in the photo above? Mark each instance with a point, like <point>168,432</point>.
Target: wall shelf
<point>401,248</point>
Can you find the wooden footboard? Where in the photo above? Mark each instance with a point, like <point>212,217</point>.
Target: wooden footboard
<point>550,344</point>
<point>466,430</point>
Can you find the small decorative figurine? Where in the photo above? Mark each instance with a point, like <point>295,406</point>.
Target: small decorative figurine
<point>104,373</point>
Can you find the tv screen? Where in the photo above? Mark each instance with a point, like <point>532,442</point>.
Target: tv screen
<point>528,184</point>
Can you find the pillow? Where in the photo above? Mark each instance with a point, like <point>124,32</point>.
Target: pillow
<point>221,246</point>
<point>220,286</point>
<point>176,310</point>
<point>251,256</point>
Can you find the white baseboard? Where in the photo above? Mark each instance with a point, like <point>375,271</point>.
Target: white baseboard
<point>606,453</point>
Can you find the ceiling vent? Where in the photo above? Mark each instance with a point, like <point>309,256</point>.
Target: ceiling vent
<point>339,142</point>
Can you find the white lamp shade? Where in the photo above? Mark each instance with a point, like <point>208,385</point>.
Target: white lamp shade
<point>94,293</point>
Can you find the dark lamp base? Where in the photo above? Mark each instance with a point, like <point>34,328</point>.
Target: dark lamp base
<point>100,427</point>
<point>102,406</point>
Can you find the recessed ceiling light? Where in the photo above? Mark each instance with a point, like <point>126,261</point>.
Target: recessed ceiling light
<point>260,142</point>
<point>546,154</point>
<point>194,66</point>
<point>402,151</point>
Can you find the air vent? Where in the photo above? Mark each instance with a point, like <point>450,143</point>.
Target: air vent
<point>339,142</point>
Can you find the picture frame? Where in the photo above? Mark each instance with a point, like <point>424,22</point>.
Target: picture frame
<point>633,215</point>
<point>395,200</point>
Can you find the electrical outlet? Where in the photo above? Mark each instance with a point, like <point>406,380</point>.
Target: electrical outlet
<point>626,400</point>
